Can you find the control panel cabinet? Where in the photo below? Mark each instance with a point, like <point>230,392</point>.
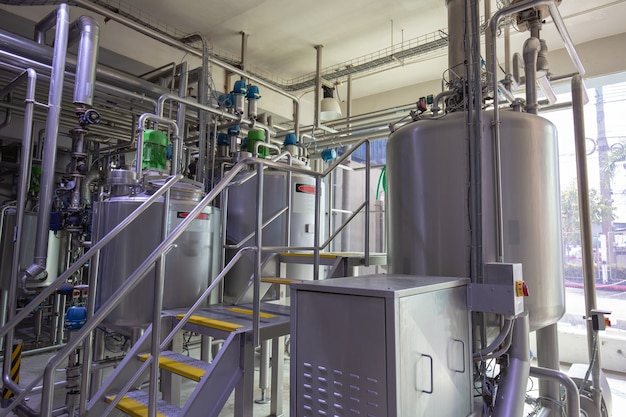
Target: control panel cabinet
<point>381,346</point>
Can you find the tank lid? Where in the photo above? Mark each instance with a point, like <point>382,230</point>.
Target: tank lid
<point>121,177</point>
<point>179,191</point>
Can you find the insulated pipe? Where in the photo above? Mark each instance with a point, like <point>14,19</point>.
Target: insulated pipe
<point>514,378</point>
<point>586,234</point>
<point>49,153</point>
<point>86,4</point>
<point>457,18</point>
<point>44,54</point>
<point>548,358</point>
<point>573,401</point>
<point>531,52</point>
<point>23,182</point>
<point>87,30</point>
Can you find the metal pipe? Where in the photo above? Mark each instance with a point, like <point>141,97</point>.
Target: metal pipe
<point>457,13</point>
<point>318,86</point>
<point>86,28</point>
<point>258,239</point>
<point>368,162</point>
<point>44,54</point>
<point>514,377</point>
<point>86,4</point>
<point>531,52</point>
<point>435,109</point>
<point>586,234</point>
<point>573,401</point>
<point>50,149</point>
<point>177,150</point>
<point>548,358</point>
<point>23,182</point>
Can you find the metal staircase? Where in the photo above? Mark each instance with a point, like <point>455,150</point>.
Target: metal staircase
<point>215,381</point>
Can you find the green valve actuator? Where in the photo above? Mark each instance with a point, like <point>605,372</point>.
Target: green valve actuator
<point>154,150</point>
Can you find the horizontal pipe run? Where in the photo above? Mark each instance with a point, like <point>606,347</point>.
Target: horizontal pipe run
<point>573,401</point>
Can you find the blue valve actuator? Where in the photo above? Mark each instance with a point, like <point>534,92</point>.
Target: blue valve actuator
<point>75,317</point>
<point>222,139</point>
<point>290,139</point>
<point>234,130</point>
<point>240,87</point>
<point>329,154</point>
<point>253,93</point>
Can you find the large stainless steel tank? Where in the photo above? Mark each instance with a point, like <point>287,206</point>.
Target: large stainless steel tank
<point>189,268</point>
<point>428,210</point>
<point>241,222</point>
<point>55,242</point>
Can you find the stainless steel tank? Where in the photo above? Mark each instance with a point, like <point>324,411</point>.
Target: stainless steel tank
<point>55,242</point>
<point>428,210</point>
<point>241,222</point>
<point>189,268</point>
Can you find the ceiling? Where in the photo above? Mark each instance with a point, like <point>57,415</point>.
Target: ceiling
<point>282,33</point>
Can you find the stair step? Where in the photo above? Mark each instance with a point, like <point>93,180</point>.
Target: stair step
<point>249,312</point>
<point>278,280</point>
<point>182,365</point>
<point>308,255</point>
<point>135,404</point>
<point>213,323</point>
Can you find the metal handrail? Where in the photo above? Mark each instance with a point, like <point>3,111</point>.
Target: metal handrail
<point>131,282</point>
<point>93,251</point>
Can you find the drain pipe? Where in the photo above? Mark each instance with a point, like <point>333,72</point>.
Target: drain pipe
<point>593,343</point>
<point>50,148</point>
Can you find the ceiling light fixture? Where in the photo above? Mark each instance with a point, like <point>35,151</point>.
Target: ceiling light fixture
<point>329,106</point>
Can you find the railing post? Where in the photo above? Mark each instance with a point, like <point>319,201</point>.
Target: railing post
<point>368,165</point>
<point>258,256</point>
<point>316,236</point>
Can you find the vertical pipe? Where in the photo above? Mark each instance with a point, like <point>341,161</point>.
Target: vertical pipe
<point>368,167</point>
<point>513,380</point>
<point>488,40</point>
<point>49,153</point>
<point>531,51</point>
<point>203,98</point>
<point>456,37</point>
<point>318,86</point>
<point>183,81</point>
<point>586,235</point>
<point>88,30</point>
<point>316,235</point>
<point>244,50</point>
<point>256,299</point>
<point>548,357</point>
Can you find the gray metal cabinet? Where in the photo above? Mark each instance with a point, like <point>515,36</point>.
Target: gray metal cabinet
<point>380,345</point>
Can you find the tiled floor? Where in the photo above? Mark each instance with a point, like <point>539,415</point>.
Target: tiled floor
<point>32,365</point>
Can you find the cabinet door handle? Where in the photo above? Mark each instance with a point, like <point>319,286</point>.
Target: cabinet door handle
<point>419,373</point>
<point>453,354</point>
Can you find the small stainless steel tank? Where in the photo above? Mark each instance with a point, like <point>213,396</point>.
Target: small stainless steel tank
<point>189,268</point>
<point>241,223</point>
<point>428,210</point>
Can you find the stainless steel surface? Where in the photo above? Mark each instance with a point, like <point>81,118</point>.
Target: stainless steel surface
<point>586,235</point>
<point>189,267</point>
<point>548,358</point>
<point>367,345</point>
<point>457,17</point>
<point>27,247</point>
<point>428,230</point>
<point>573,400</point>
<point>87,30</point>
<point>531,52</point>
<point>241,224</point>
<point>509,401</point>
<point>49,154</point>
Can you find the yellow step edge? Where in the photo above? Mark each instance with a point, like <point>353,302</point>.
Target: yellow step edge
<point>308,255</point>
<point>179,368</point>
<point>213,323</point>
<point>249,312</point>
<point>132,407</point>
<point>278,280</point>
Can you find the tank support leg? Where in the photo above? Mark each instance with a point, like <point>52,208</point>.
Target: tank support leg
<point>548,357</point>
